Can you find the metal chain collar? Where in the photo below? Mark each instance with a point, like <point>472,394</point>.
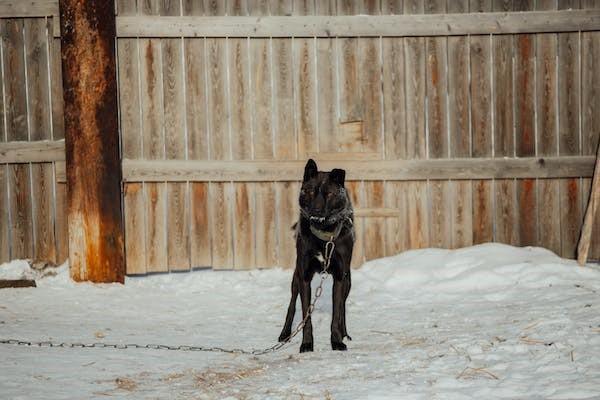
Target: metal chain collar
<point>329,247</point>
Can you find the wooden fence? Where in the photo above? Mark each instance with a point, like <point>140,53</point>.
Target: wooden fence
<point>32,203</point>
<point>455,129</point>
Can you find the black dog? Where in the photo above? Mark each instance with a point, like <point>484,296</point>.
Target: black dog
<point>325,213</point>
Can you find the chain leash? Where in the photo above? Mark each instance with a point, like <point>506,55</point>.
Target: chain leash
<point>329,247</point>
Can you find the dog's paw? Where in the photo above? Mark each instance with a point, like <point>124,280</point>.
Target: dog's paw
<point>338,346</point>
<point>305,347</point>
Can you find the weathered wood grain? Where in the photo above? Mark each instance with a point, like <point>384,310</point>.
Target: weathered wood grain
<point>359,25</point>
<point>375,228</point>
<point>305,93</point>
<point>356,192</point>
<point>350,105</point>
<point>220,147</point>
<point>547,133</point>
<point>481,126</point>
<point>153,142</point>
<point>28,9</point>
<point>569,94</point>
<point>131,144</point>
<point>195,65</point>
<point>4,218</point>
<point>178,256</point>
<point>38,151</point>
<point>396,226</point>
<point>394,98</point>
<point>281,170</point>
<point>16,121</point>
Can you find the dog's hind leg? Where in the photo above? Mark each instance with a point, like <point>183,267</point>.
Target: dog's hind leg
<point>289,318</point>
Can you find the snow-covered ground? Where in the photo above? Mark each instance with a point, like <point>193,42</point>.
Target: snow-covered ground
<point>485,322</point>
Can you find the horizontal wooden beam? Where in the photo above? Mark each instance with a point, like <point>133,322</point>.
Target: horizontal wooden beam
<point>360,25</point>
<point>377,212</point>
<point>28,8</point>
<point>37,151</point>
<point>394,170</point>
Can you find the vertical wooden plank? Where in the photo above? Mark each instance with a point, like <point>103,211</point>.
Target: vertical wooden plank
<point>355,190</point>
<point>350,105</point>
<point>418,215</point>
<point>4,220</point>
<point>394,104</point>
<point>241,125</point>
<point>459,130</point>
<point>304,84</point>
<point>326,88</point>
<point>285,138</point>
<point>178,249</point>
<point>394,114</point>
<point>38,98</point>
<point>436,49</point>
<point>131,145</point>
<point>524,117</point>
<point>505,210</point>
<point>414,49</point>
<point>369,59</point>
<point>571,215</point>
<point>16,123</point>
<point>265,222</point>
<point>58,129</point>
<point>547,133</point>
<point>375,230</point>
<point>462,213</point>
<point>288,211</point>
<point>436,86</point>
<point>394,98</point>
<point>415,85</point>
<point>135,251</point>
<point>370,67</point>
<point>261,98</point>
<point>221,193</point>
<point>481,126</point>
<point>197,133</point>
<point>150,60</point>
<point>4,204</point>
<point>283,125</point>
<point>264,201</point>
<point>396,228</point>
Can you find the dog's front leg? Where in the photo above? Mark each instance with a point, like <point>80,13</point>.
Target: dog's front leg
<point>337,321</point>
<point>347,285</point>
<point>307,336</point>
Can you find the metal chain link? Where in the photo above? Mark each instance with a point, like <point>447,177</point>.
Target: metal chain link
<point>329,247</point>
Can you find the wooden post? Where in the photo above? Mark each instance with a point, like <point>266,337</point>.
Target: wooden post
<point>96,251</point>
<point>592,208</point>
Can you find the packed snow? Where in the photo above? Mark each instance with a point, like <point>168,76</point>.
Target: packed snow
<point>486,322</point>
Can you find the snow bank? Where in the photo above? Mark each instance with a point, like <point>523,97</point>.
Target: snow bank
<point>484,267</point>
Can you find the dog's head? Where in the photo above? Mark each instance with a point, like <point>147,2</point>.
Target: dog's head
<point>323,197</point>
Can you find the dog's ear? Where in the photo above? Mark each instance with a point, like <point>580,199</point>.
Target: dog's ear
<point>338,176</point>
<point>310,170</point>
